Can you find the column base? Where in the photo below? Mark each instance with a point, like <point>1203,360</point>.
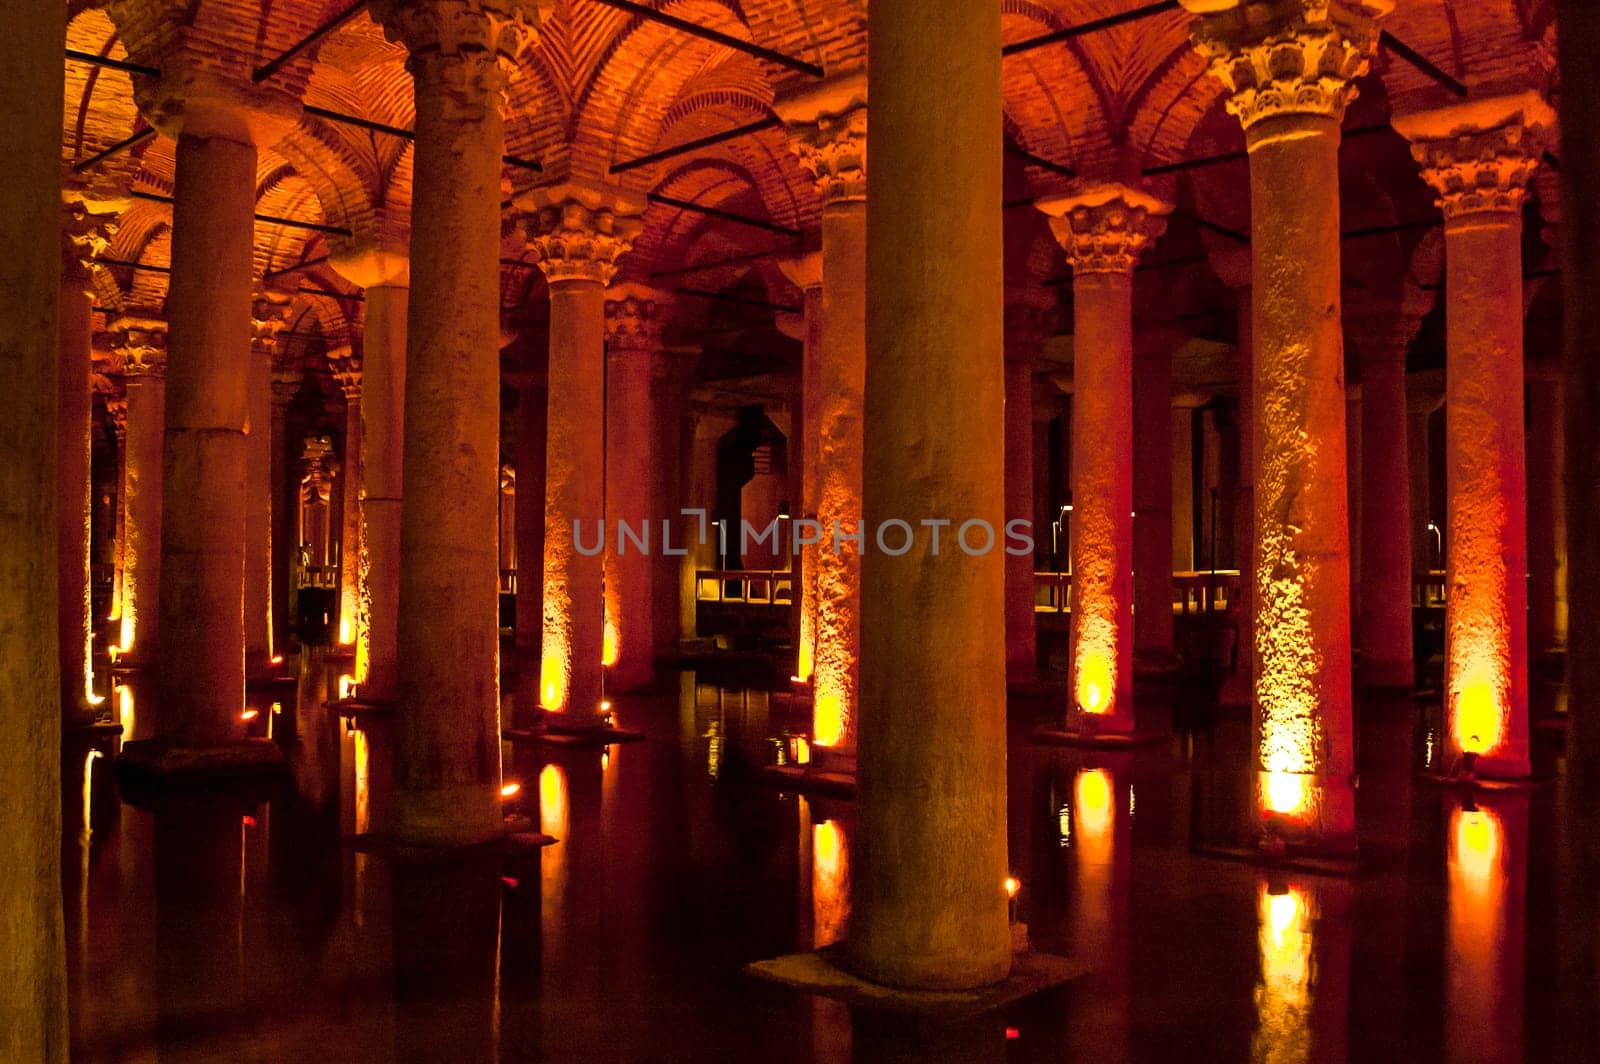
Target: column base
<point>1343,864</point>
<point>819,973</point>
<point>449,818</point>
<point>1498,773</point>
<point>1051,735</point>
<point>830,774</point>
<point>551,730</point>
<point>159,762</point>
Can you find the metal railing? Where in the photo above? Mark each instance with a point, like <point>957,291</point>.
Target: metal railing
<point>749,587</point>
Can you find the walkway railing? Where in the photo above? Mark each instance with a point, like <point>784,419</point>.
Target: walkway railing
<point>750,587</point>
<point>1192,592</point>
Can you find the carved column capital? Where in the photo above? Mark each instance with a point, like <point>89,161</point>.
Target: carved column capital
<point>269,313</point>
<point>117,409</point>
<point>346,366</point>
<point>828,132</point>
<point>635,318</point>
<point>1287,57</point>
<point>141,344</point>
<point>1104,228</point>
<point>579,231</point>
<point>465,49</point>
<point>1480,155</point>
<point>85,236</point>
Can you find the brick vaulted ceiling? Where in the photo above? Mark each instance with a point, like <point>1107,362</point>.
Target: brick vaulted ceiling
<point>605,85</point>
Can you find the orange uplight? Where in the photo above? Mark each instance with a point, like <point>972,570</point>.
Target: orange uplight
<point>249,715</point>
<point>552,682</point>
<point>1285,792</point>
<point>510,790</point>
<point>347,633</point>
<point>1475,847</point>
<point>1013,886</point>
<point>807,662</point>
<point>277,659</point>
<point>347,684</point>
<point>1478,719</point>
<point>125,634</point>
<point>552,800</point>
<point>125,709</point>
<point>610,645</point>
<point>1095,682</point>
<point>827,844</point>
<point>827,719</point>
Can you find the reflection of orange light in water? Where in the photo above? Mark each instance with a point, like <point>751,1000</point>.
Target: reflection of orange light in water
<point>1478,720</point>
<point>1483,969</point>
<point>361,755</point>
<point>510,790</point>
<point>125,634</point>
<point>807,661</point>
<point>1283,992</point>
<point>276,659</point>
<point>827,719</point>
<point>1092,789</point>
<point>1476,842</point>
<point>249,715</point>
<point>347,684</point>
<point>1285,792</point>
<point>553,682</point>
<point>1094,682</point>
<point>125,710</point>
<point>88,788</point>
<point>553,800</point>
<point>830,881</point>
<point>610,644</point>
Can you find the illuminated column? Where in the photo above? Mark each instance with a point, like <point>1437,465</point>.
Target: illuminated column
<point>1547,532</point>
<point>635,316</point>
<point>806,272</point>
<point>33,969</point>
<point>1383,622</point>
<point>117,409</point>
<point>1303,725</point>
<point>1478,157</point>
<point>267,319</point>
<point>927,893</point>
<point>532,410</point>
<point>1152,500</point>
<point>1185,551</point>
<point>84,236</point>
<point>578,232</point>
<point>447,637</point>
<point>828,132</point>
<point>285,383</point>
<point>383,271</point>
<point>1029,321</point>
<point>353,602</point>
<point>142,345</point>
<point>1102,230</point>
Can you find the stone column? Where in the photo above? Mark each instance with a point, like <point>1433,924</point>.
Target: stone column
<point>1102,229</point>
<point>1030,318</point>
<point>383,270</point>
<point>267,319</point>
<point>1547,531</point>
<point>928,901</point>
<point>1185,545</point>
<point>353,601</point>
<point>33,967</point>
<point>1423,398</point>
<point>828,132</point>
<point>1383,621</point>
<point>635,316</point>
<point>448,636</point>
<point>578,232</point>
<point>1303,726</point>
<point>117,409</point>
<point>285,384</point>
<point>1152,501</point>
<point>806,272</point>
<point>84,235</point>
<point>533,406</point>
<point>142,345</point>
<point>1478,156</point>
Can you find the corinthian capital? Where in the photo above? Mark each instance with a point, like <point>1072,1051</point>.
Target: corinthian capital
<point>85,235</point>
<point>1480,155</point>
<point>828,132</point>
<point>578,231</point>
<point>1104,228</point>
<point>464,48</point>
<point>141,344</point>
<point>268,315</point>
<point>1287,57</point>
<point>635,318</point>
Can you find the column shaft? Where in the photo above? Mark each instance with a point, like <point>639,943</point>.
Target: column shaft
<point>630,613</point>
<point>33,975</point>
<point>1021,626</point>
<point>201,657</point>
<point>574,606</point>
<point>75,405</point>
<point>259,504</point>
<point>352,560</point>
<point>811,397</point>
<point>1383,626</point>
<point>1152,504</point>
<point>141,487</point>
<point>383,400</point>
<point>533,405</point>
<point>931,740</point>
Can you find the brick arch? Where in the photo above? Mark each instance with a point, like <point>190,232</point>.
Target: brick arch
<point>711,182</point>
<point>830,33</point>
<point>1170,106</point>
<point>1051,100</point>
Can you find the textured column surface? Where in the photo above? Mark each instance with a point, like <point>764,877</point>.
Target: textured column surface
<point>73,436</point>
<point>1029,320</point>
<point>806,272</point>
<point>267,319</point>
<point>1383,622</point>
<point>828,132</point>
<point>1478,157</point>
<point>634,320</point>
<point>928,901</point>
<point>577,232</point>
<point>1152,501</point>
<point>33,971</point>
<point>448,635</point>
<point>1289,66</point>
<point>286,382</point>
<point>142,345</point>
<point>383,399</point>
<point>533,406</point>
<point>352,551</point>
<point>201,658</point>
<point>1102,230</point>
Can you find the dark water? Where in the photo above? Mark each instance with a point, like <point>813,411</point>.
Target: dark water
<point>261,929</point>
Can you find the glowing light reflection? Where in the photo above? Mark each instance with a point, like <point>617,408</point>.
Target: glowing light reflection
<point>830,882</point>
<point>827,719</point>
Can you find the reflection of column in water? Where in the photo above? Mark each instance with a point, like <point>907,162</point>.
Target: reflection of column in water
<point>1099,833</point>
<point>1303,987</point>
<point>1487,890</point>
<point>446,938</point>
<point>824,891</point>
